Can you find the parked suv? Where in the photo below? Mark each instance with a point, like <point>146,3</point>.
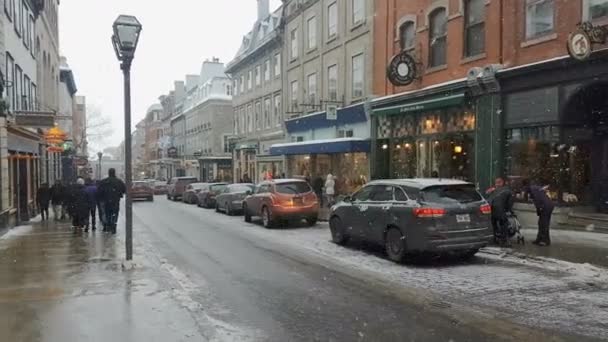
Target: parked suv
<point>206,196</point>
<point>279,200</point>
<point>415,215</point>
<point>177,186</point>
<point>142,190</point>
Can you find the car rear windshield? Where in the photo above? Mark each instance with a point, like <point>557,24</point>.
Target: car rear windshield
<point>448,194</point>
<point>293,188</point>
<point>217,187</point>
<point>241,188</point>
<point>198,185</point>
<point>141,184</point>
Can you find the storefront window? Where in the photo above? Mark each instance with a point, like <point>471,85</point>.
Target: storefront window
<point>538,154</point>
<point>430,144</point>
<point>351,169</point>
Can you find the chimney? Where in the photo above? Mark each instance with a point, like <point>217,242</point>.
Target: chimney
<point>263,9</point>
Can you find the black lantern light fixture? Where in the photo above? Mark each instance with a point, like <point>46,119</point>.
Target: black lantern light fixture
<point>126,37</point>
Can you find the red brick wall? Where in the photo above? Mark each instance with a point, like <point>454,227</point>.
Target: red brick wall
<point>515,50</point>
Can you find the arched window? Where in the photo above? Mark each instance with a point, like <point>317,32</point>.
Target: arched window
<point>407,35</point>
<point>438,34</point>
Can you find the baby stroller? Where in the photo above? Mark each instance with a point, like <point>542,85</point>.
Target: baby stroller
<point>514,229</point>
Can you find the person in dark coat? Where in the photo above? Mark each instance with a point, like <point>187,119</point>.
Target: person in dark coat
<point>100,206</point>
<point>501,201</point>
<point>110,191</point>
<point>58,193</point>
<point>246,179</point>
<point>78,205</point>
<point>91,190</point>
<point>317,186</point>
<point>544,208</point>
<point>43,198</point>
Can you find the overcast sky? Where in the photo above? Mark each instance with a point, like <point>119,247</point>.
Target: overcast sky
<point>178,35</point>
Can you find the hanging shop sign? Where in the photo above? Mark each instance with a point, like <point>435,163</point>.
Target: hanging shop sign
<point>402,69</point>
<point>580,42</point>
<point>35,120</point>
<point>172,152</point>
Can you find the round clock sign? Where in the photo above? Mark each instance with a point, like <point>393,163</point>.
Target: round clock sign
<point>402,69</point>
<point>579,45</point>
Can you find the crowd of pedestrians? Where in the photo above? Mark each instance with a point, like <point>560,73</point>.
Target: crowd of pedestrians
<point>82,201</point>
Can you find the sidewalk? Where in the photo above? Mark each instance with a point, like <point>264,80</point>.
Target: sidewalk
<point>572,246</point>
<point>56,285</point>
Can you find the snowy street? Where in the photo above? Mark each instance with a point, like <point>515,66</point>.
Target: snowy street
<point>295,284</point>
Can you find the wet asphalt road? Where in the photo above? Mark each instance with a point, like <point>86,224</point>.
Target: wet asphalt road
<point>277,295</point>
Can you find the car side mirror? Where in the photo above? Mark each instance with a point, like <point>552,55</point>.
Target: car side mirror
<point>347,199</point>
<point>248,192</point>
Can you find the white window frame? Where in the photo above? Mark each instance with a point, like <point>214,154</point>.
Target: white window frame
<point>293,95</point>
<point>277,65</point>
<point>357,71</point>
<point>277,109</point>
<point>332,85</point>
<point>267,70</point>
<point>311,28</point>
<point>294,44</point>
<point>258,75</point>
<point>586,5</point>
<point>311,86</point>
<point>249,79</point>
<point>267,109</point>
<point>358,12</point>
<point>332,26</point>
<point>527,21</point>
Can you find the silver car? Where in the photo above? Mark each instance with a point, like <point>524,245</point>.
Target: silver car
<point>230,200</point>
<point>415,215</point>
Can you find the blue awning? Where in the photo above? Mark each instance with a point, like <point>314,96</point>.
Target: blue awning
<point>347,115</point>
<point>329,146</point>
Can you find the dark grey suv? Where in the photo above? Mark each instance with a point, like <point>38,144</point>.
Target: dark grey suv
<point>415,215</point>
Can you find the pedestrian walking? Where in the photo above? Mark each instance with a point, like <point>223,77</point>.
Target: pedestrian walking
<point>544,208</point>
<point>501,201</point>
<point>58,193</point>
<point>91,190</point>
<point>100,207</point>
<point>110,191</point>
<point>317,186</point>
<point>330,189</point>
<point>78,205</point>
<point>43,198</point>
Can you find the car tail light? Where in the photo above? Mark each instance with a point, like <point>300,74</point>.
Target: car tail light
<point>486,209</point>
<point>429,212</point>
<point>281,202</point>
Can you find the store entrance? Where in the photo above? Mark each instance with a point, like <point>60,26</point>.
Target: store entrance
<point>586,124</point>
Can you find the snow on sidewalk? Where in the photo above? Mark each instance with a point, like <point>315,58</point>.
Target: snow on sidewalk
<point>16,232</point>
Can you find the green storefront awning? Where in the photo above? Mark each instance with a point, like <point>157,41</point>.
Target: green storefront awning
<point>421,106</point>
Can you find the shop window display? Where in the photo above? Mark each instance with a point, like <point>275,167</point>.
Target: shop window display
<point>563,167</point>
<point>350,169</point>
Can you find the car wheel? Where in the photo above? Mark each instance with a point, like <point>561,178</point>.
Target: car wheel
<point>395,245</point>
<point>311,221</point>
<point>338,233</point>
<point>168,197</point>
<point>267,218</point>
<point>246,214</point>
<point>217,207</point>
<point>151,199</point>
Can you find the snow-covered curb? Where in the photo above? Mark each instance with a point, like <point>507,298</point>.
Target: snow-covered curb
<point>582,272</point>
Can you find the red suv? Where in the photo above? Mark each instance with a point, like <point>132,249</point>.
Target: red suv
<point>279,200</point>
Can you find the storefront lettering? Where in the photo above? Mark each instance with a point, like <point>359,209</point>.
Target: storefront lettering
<point>411,108</point>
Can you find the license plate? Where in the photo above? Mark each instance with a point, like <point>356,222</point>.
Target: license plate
<point>297,201</point>
<point>463,218</point>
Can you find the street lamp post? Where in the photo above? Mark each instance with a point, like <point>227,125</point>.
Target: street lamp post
<point>125,38</point>
<point>99,169</point>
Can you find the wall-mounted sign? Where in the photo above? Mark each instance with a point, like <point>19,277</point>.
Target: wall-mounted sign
<point>332,112</point>
<point>172,152</point>
<point>37,120</point>
<point>580,42</point>
<point>579,45</point>
<point>402,69</point>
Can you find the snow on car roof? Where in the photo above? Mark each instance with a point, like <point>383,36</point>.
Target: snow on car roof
<point>422,182</point>
<point>287,180</point>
